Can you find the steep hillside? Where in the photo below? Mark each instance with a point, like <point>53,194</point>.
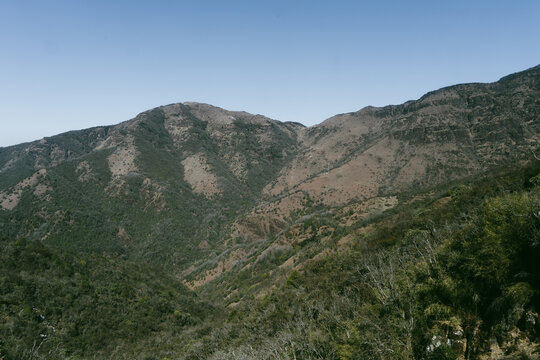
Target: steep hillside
<point>403,232</point>
<point>159,187</point>
<point>376,153</point>
<point>447,134</point>
<point>199,187</point>
<point>447,275</point>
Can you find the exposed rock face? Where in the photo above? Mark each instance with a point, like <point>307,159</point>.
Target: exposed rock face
<point>187,174</point>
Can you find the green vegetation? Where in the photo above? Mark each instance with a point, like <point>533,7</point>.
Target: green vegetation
<point>97,245</point>
<point>446,275</point>
<point>162,219</point>
<point>438,279</point>
<point>56,305</point>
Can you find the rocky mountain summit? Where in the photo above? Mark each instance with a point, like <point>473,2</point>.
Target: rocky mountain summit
<point>185,182</point>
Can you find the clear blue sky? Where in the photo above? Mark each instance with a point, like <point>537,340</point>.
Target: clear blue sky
<point>75,64</point>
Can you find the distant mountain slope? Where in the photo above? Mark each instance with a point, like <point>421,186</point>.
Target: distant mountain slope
<point>447,134</point>
<point>160,186</point>
<point>185,183</point>
<point>376,153</point>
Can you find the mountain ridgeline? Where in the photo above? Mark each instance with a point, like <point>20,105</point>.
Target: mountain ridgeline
<point>343,240</point>
<point>167,185</point>
<point>154,187</point>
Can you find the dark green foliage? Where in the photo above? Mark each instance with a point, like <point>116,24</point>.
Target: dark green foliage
<point>452,275</point>
<point>64,305</point>
<point>89,215</point>
<point>22,160</point>
<point>445,275</point>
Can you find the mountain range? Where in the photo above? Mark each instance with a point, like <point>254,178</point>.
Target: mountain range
<point>230,203</point>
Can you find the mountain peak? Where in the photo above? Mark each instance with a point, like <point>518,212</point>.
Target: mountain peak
<point>215,115</point>
<point>206,156</point>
